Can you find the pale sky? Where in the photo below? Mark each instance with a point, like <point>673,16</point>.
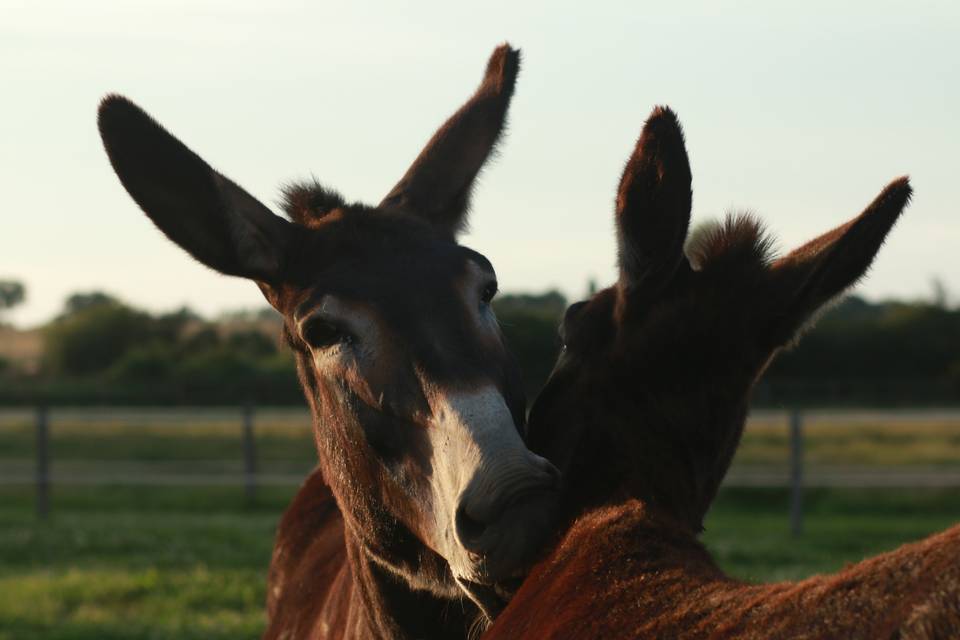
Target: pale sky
<point>800,114</point>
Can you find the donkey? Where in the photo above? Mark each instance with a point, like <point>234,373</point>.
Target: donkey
<point>646,407</point>
<point>417,404</point>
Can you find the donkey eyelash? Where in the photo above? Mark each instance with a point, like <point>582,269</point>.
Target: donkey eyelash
<point>323,334</point>
<point>488,293</point>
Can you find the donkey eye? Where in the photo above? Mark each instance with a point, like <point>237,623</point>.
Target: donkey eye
<point>488,292</point>
<point>321,334</point>
<point>568,317</point>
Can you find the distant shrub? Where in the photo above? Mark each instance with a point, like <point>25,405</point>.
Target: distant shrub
<point>102,351</point>
<point>221,373</point>
<point>85,300</point>
<point>201,340</point>
<point>529,324</point>
<point>12,293</point>
<point>151,363</point>
<point>93,338</point>
<point>254,343</point>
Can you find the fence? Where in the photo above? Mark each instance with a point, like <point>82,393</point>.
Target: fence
<point>252,447</point>
<point>153,447</point>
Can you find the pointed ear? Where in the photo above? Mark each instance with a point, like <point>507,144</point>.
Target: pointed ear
<point>822,269</point>
<point>653,206</point>
<point>437,186</point>
<point>213,219</point>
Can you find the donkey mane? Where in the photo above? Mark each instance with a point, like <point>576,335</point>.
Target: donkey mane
<point>739,243</point>
<point>308,201</point>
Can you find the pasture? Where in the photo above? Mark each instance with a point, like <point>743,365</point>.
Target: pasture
<point>185,560</point>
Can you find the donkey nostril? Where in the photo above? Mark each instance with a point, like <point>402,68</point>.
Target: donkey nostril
<point>468,529</point>
<point>553,473</point>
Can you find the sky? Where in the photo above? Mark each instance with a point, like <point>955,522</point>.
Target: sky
<point>800,114</point>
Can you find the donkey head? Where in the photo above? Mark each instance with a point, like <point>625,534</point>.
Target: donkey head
<point>656,372</point>
<point>418,404</point>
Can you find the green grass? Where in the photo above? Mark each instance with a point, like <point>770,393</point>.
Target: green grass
<point>854,441</point>
<point>149,435</point>
<point>191,562</point>
<point>145,563</point>
<point>748,529</point>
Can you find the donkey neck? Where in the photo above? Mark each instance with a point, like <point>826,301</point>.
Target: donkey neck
<point>387,606</point>
<point>614,462</point>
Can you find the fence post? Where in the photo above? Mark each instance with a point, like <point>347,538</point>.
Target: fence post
<point>43,462</point>
<point>796,473</point>
<point>249,455</point>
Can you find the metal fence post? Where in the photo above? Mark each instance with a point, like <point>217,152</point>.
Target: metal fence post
<point>43,462</point>
<point>249,456</point>
<point>796,473</point>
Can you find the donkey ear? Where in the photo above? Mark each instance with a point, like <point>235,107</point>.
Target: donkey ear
<point>213,219</point>
<point>653,205</point>
<point>437,185</point>
<point>809,277</point>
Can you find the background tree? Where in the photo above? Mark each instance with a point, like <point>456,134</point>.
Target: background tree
<point>529,323</point>
<point>102,350</point>
<point>12,293</point>
<point>79,301</point>
<point>93,333</point>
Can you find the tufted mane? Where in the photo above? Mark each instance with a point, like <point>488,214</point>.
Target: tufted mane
<point>740,241</point>
<point>308,201</point>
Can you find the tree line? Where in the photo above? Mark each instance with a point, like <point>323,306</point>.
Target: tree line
<point>100,350</point>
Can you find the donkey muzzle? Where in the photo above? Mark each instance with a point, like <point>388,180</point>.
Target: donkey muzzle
<point>503,528</point>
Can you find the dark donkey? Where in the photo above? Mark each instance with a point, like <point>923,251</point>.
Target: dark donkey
<point>417,404</point>
<point>645,409</point>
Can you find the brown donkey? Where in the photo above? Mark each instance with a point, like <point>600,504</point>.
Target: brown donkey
<point>645,409</point>
<point>417,404</point>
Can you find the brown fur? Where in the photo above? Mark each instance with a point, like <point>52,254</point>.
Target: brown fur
<point>645,409</point>
<point>626,571</point>
<point>309,569</point>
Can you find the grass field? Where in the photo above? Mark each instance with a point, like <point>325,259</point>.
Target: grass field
<point>190,562</point>
<point>136,563</point>
<point>888,439</point>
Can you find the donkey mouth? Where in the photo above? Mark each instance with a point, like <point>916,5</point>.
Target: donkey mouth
<point>489,598</point>
<point>503,553</point>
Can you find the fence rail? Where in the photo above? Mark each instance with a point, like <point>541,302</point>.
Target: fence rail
<point>783,452</point>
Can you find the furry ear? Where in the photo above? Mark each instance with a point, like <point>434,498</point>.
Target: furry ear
<point>653,206</point>
<point>210,217</point>
<point>809,277</point>
<point>437,186</point>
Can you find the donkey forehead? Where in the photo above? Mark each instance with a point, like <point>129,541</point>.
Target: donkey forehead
<point>358,242</point>
<point>398,282</point>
